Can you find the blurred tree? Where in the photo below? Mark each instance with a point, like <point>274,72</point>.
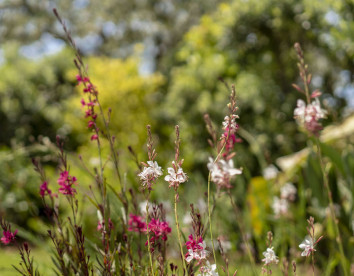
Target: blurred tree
<point>30,94</point>
<point>250,43</point>
<point>128,95</point>
<point>106,27</point>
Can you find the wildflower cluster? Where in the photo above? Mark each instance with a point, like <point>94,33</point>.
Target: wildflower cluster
<point>90,113</point>
<point>159,230</point>
<point>208,270</point>
<point>222,171</point>
<point>196,249</point>
<point>66,182</point>
<point>269,255</point>
<point>116,253</point>
<point>309,114</point>
<point>8,236</point>
<point>136,224</point>
<point>175,176</point>
<point>150,174</point>
<point>230,128</point>
<point>308,245</point>
<point>151,171</point>
<point>44,190</point>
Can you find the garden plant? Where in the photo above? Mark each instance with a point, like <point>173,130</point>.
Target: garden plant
<point>275,228</point>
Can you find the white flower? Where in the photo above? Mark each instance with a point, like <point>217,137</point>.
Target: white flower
<point>288,191</point>
<point>222,171</point>
<point>300,111</point>
<point>187,219</point>
<point>208,270</point>
<point>199,253</point>
<point>270,172</point>
<point>270,257</point>
<point>313,111</point>
<point>280,206</point>
<point>150,173</point>
<point>175,179</point>
<point>308,246</point>
<point>155,168</point>
<point>230,123</point>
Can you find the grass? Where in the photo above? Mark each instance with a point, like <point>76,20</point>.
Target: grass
<point>10,256</point>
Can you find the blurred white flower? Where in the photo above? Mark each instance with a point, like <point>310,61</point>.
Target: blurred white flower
<point>175,178</point>
<point>187,219</point>
<point>226,245</point>
<point>222,172</point>
<point>288,191</point>
<point>270,172</point>
<point>142,207</point>
<point>208,270</point>
<point>280,206</point>
<point>202,205</point>
<point>230,123</point>
<point>150,174</point>
<point>270,257</point>
<point>313,111</point>
<point>309,116</point>
<point>308,246</point>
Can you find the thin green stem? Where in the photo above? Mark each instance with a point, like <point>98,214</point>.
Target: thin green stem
<point>307,92</point>
<point>210,224</point>
<point>209,210</point>
<point>240,226</point>
<point>331,207</point>
<point>148,235</point>
<point>179,234</point>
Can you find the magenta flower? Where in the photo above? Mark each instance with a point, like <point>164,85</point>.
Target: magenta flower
<point>91,124</point>
<point>159,229</point>
<point>196,249</point>
<point>99,226</point>
<point>66,182</point>
<point>81,79</point>
<point>94,137</point>
<point>8,236</point>
<point>136,224</point>
<point>44,190</point>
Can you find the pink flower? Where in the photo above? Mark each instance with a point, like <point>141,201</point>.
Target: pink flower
<point>159,229</point>
<point>94,137</point>
<point>8,236</point>
<point>99,226</point>
<point>196,249</point>
<point>136,224</point>
<point>65,182</point>
<point>44,190</point>
<point>91,124</point>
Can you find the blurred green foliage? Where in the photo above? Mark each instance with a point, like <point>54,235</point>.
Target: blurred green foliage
<point>249,43</point>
